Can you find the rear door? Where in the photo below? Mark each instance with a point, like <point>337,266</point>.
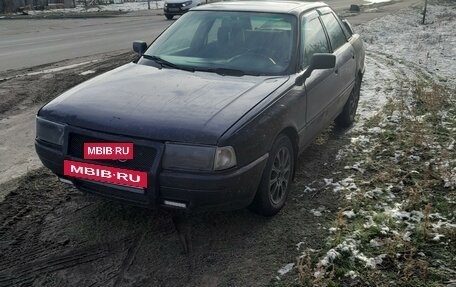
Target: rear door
<point>345,70</point>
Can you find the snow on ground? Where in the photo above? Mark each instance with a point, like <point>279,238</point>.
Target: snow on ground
<point>124,7</point>
<point>393,54</point>
<point>431,46</point>
<point>55,70</point>
<point>285,269</point>
<point>48,71</point>
<point>88,72</point>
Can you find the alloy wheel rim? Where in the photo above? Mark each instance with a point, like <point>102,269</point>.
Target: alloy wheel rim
<point>280,176</point>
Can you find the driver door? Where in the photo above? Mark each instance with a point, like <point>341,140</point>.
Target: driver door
<point>319,87</point>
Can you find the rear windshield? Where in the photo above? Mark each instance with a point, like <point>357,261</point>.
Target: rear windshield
<point>251,42</point>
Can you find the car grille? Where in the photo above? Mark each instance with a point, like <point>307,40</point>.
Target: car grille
<point>173,5</point>
<point>143,156</point>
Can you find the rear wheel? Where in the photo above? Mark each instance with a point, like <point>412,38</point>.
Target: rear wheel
<point>169,17</point>
<point>276,180</point>
<point>347,116</point>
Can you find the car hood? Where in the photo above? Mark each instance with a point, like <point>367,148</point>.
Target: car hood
<point>161,104</point>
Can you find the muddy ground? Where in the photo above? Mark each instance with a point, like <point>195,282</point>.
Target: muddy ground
<point>19,89</point>
<point>54,235</point>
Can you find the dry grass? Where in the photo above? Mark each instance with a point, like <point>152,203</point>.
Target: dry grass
<point>404,231</point>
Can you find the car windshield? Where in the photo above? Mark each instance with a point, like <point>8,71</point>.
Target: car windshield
<point>227,42</point>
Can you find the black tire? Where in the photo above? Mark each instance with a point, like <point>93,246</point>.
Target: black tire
<point>276,179</point>
<point>169,17</point>
<point>347,117</point>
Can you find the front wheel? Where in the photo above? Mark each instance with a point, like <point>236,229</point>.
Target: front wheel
<point>276,180</point>
<point>347,117</point>
<point>169,17</point>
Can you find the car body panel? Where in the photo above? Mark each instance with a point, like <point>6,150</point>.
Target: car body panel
<point>192,107</point>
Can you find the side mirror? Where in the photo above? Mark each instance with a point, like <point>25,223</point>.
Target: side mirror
<point>319,61</point>
<point>139,47</point>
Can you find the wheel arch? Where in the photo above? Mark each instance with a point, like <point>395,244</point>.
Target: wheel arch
<point>292,134</point>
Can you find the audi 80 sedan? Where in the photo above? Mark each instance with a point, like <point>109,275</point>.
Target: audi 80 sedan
<point>214,113</point>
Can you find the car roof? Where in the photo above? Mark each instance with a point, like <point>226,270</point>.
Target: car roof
<point>274,6</point>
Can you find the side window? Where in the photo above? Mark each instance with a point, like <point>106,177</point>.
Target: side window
<point>336,35</point>
<point>313,40</point>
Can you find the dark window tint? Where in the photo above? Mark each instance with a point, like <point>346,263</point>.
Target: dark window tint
<point>336,35</point>
<point>313,40</point>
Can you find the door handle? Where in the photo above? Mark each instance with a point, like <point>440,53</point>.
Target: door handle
<point>336,71</point>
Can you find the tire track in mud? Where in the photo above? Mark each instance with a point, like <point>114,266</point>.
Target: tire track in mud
<point>403,70</point>
<point>23,256</point>
<point>386,78</point>
<point>9,221</point>
<point>34,211</point>
<point>129,258</point>
<point>19,273</point>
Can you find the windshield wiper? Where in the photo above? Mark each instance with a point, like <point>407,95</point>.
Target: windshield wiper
<point>223,71</point>
<point>164,63</point>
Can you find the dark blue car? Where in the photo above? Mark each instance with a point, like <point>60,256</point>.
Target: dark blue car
<point>216,110</point>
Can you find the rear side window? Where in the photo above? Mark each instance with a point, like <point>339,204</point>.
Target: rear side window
<point>313,40</point>
<point>336,35</point>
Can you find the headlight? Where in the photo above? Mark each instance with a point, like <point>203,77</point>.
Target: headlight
<point>49,131</point>
<point>203,158</point>
<point>166,4</point>
<point>186,3</point>
<point>225,157</point>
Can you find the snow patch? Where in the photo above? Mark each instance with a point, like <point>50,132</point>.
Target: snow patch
<point>349,214</point>
<point>58,69</point>
<point>285,269</point>
<point>87,72</point>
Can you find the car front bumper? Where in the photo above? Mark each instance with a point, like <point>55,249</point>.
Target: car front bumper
<point>175,10</point>
<point>227,190</point>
